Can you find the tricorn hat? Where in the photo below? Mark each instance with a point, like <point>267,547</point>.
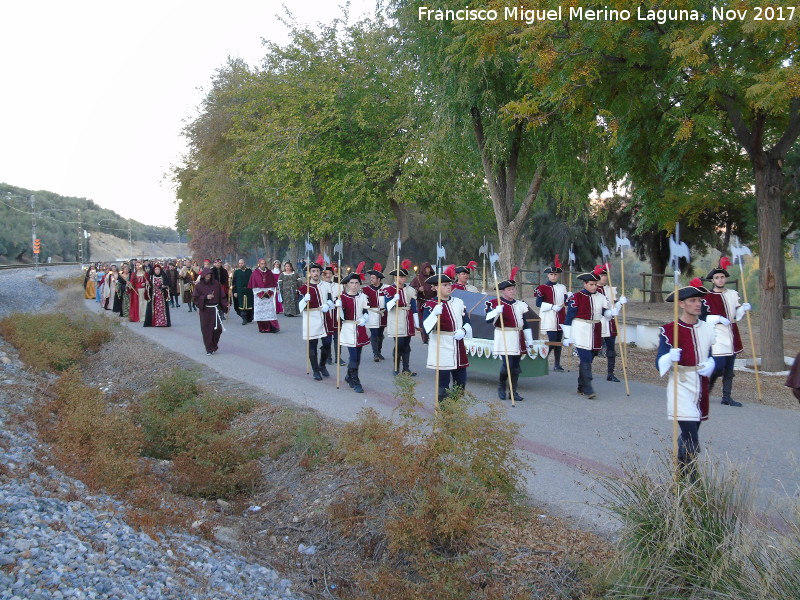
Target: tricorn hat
<point>695,288</point>
<point>511,281</point>
<point>377,270</point>
<point>724,263</point>
<point>404,267</point>
<point>437,279</point>
<point>467,268</point>
<point>556,267</point>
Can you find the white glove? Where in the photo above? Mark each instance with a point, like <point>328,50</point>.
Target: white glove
<point>362,321</point>
<point>330,303</point>
<point>459,335</point>
<point>528,338</point>
<point>307,298</point>
<point>325,308</point>
<point>570,295</point>
<point>468,330</point>
<point>558,307</point>
<point>607,313</point>
<point>416,320</point>
<point>493,314</point>
<point>338,303</point>
<point>708,367</point>
<point>396,297</point>
<point>545,307</point>
<point>622,300</point>
<point>614,312</point>
<point>746,306</point>
<point>437,310</point>
<point>566,342</point>
<point>665,360</point>
<point>724,321</point>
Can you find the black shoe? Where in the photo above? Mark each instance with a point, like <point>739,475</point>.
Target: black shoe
<point>558,369</point>
<point>330,360</point>
<point>177,306</point>
<point>244,321</point>
<point>611,377</point>
<point>208,353</point>
<point>342,363</point>
<point>380,356</point>
<point>190,309</point>
<point>591,395</point>
<point>501,392</point>
<point>376,358</point>
<point>730,402</point>
<point>412,373</point>
<point>517,397</point>
<point>357,388</point>
<point>580,391</point>
<point>317,376</point>
<point>323,369</point>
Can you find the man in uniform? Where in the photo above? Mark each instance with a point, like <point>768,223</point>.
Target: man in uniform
<point>721,308</point>
<point>462,277</point>
<point>446,349</point>
<point>583,327</point>
<point>243,295</point>
<point>402,318</point>
<point>376,320</point>
<point>692,353</point>
<point>331,290</point>
<point>512,334</point>
<point>551,298</point>
<point>609,326</point>
<point>313,306</point>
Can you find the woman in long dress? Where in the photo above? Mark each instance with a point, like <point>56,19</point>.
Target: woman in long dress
<point>138,294</point>
<point>288,283</point>
<point>90,284</point>
<point>276,270</point>
<point>110,287</point>
<point>122,302</point>
<point>157,313</point>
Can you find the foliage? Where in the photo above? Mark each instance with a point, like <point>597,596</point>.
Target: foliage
<point>211,456</point>
<point>439,476</point>
<point>54,342</point>
<point>697,539</point>
<point>98,443</point>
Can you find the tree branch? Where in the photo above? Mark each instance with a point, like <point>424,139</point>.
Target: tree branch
<point>728,105</point>
<point>488,167</point>
<point>789,136</point>
<point>525,208</point>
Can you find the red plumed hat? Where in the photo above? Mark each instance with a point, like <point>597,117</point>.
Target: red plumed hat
<point>377,267</point>
<point>320,260</point>
<point>472,265</point>
<point>598,269</point>
<point>406,264</point>
<point>557,262</point>
<point>450,271</point>
<point>724,263</point>
<point>514,274</point>
<point>359,270</point>
<point>696,282</point>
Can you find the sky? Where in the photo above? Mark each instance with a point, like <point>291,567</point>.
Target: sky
<point>94,95</point>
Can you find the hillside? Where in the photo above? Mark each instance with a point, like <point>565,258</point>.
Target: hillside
<point>61,221</point>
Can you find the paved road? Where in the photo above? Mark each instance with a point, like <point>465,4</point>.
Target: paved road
<point>567,438</point>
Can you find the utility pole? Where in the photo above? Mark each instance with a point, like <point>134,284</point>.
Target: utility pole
<point>33,231</point>
<point>80,238</point>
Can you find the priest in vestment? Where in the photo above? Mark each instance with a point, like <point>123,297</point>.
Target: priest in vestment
<point>264,286</point>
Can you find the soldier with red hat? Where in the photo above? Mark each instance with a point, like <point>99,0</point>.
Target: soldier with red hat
<point>692,352</point>
<point>402,318</point>
<point>512,335</point>
<point>609,325</point>
<point>551,298</point>
<point>583,327</point>
<point>314,305</point>
<point>376,305</point>
<point>461,276</point>
<point>722,309</point>
<point>354,310</point>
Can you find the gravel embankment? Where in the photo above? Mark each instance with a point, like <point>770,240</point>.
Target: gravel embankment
<point>58,541</point>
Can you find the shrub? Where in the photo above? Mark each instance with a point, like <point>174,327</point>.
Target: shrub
<point>697,539</point>
<point>54,342</point>
<point>156,410</point>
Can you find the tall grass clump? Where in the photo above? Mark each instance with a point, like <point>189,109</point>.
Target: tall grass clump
<point>434,483</point>
<point>697,537</point>
<point>54,342</point>
<point>211,457</point>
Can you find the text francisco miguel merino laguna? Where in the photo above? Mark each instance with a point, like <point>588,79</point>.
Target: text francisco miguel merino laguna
<point>579,13</point>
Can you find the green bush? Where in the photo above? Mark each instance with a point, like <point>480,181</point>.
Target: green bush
<point>697,538</point>
<point>54,342</point>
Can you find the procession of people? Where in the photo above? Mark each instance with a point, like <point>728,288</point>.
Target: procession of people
<point>361,309</point>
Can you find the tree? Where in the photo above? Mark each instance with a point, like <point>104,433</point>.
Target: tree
<point>706,76</point>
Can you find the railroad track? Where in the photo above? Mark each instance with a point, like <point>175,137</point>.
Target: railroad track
<point>54,264</point>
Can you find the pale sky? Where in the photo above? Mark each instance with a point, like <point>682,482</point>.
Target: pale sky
<point>93,95</point>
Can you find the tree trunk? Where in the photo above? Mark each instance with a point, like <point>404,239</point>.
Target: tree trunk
<point>267,248</point>
<point>769,180</point>
<point>659,260</point>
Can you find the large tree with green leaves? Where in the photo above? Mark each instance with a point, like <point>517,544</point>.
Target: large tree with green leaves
<point>704,77</point>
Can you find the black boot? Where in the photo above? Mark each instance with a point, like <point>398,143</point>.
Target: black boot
<point>612,363</point>
<point>337,356</point>
<point>585,380</point>
<point>244,319</point>
<point>376,352</point>
<point>557,362</point>
<point>405,356</point>
<point>315,367</point>
<point>514,381</point>
<point>380,346</point>
<point>502,383</point>
<point>727,386</point>
<point>355,382</point>
<point>324,355</point>
<point>443,393</point>
<point>713,379</point>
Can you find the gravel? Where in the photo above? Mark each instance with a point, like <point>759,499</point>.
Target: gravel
<point>59,541</point>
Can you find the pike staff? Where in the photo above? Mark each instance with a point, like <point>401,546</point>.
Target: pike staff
<point>678,249</point>
<point>502,326</point>
<point>337,249</point>
<point>397,311</point>
<point>309,248</point>
<point>571,261</point>
<point>622,243</point>
<point>438,334</point>
<point>737,252</point>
